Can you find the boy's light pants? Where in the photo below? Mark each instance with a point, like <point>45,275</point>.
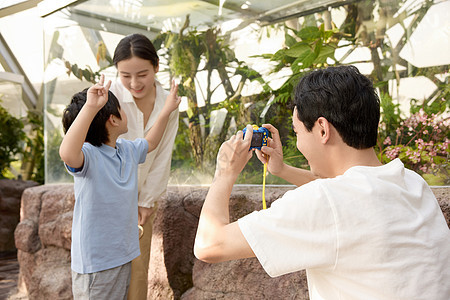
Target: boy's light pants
<point>103,285</point>
<point>139,266</point>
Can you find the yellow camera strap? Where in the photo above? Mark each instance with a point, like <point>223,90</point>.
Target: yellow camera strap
<point>264,187</point>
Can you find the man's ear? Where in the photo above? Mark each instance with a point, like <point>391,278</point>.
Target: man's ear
<point>324,129</point>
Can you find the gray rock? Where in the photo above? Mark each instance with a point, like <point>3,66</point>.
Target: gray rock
<point>44,233</point>
<point>10,195</point>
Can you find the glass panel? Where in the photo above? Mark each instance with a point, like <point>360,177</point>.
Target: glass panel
<point>380,38</point>
<point>64,41</point>
<point>11,99</point>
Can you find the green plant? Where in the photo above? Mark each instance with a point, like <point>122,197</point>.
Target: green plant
<point>192,51</point>
<point>33,154</point>
<point>11,139</point>
<point>55,167</point>
<point>311,46</point>
<point>88,74</point>
<point>308,48</point>
<point>421,142</point>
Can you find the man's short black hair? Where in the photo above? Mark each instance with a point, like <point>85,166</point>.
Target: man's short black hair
<point>97,133</point>
<point>346,98</point>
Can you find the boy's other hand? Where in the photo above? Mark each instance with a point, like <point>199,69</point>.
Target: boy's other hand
<point>144,214</point>
<point>172,100</point>
<point>273,152</point>
<point>97,95</point>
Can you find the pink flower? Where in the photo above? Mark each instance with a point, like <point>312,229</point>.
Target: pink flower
<point>393,152</point>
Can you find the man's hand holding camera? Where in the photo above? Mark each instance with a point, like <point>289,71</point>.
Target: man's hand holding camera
<point>274,150</point>
<point>234,154</point>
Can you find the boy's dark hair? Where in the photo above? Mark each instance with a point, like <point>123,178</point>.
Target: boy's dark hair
<point>97,133</point>
<point>346,98</point>
<point>135,45</point>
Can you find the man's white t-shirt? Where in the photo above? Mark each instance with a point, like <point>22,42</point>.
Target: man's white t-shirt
<point>371,233</point>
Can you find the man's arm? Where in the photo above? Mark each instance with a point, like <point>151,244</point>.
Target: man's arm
<point>217,239</point>
<point>155,133</point>
<point>70,148</point>
<point>275,163</point>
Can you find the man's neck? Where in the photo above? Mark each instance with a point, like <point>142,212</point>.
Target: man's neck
<point>349,157</point>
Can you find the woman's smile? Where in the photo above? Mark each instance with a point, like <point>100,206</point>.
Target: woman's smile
<point>137,90</point>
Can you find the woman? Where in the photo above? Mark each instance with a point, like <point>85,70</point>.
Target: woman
<point>142,98</point>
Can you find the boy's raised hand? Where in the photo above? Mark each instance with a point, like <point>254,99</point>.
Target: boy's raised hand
<point>172,100</point>
<point>97,95</point>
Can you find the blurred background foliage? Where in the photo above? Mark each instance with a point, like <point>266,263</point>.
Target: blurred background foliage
<point>419,137</point>
<point>22,146</point>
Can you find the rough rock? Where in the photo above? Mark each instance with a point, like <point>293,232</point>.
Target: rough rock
<point>443,198</point>
<point>241,279</point>
<point>43,239</point>
<point>172,258</point>
<point>10,195</point>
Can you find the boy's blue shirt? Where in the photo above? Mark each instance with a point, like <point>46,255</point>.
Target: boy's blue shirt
<point>104,229</point>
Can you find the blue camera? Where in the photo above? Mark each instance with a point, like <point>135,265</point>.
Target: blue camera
<point>259,138</point>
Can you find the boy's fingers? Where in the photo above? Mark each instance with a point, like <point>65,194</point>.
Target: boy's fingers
<point>102,79</point>
<point>108,85</point>
<point>95,88</point>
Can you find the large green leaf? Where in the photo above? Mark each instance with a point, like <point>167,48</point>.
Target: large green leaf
<point>305,60</point>
<point>326,51</point>
<point>298,50</point>
<point>309,33</point>
<point>289,40</point>
<point>76,71</point>
<point>279,55</point>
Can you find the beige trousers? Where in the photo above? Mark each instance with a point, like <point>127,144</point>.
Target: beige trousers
<point>139,266</point>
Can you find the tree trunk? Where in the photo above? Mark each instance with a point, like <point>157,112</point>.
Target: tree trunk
<point>195,134</point>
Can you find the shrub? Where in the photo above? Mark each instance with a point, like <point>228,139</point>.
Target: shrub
<point>11,137</point>
<point>421,142</point>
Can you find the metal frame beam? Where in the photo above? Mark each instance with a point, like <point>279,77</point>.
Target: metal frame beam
<point>16,8</point>
<point>104,23</point>
<point>10,64</point>
<point>298,9</point>
<point>11,77</point>
<point>49,7</point>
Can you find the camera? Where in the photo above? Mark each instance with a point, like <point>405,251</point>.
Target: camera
<point>259,138</point>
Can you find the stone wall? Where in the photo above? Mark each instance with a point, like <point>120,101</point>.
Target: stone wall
<point>10,194</point>
<point>43,240</point>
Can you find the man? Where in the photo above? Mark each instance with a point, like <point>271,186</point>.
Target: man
<point>362,230</point>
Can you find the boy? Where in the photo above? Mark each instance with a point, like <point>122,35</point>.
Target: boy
<point>362,230</point>
<point>104,230</point>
